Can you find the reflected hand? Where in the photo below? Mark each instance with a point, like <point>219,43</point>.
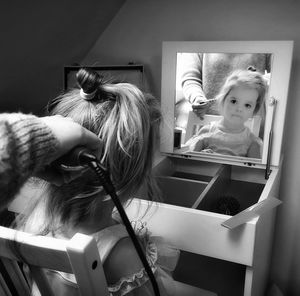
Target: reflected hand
<point>200,106</point>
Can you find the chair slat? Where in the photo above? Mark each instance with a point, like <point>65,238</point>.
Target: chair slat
<point>86,263</point>
<point>33,249</point>
<point>17,276</point>
<point>78,256</point>
<point>4,290</point>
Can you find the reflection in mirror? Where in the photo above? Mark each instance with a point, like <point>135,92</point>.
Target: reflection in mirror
<point>220,104</point>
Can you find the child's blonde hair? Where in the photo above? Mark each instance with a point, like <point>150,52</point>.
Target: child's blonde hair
<point>127,121</point>
<point>250,78</point>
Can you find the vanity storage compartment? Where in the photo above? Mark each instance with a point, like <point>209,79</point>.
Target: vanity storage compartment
<point>182,189</point>
<point>189,221</point>
<point>191,215</point>
<point>202,190</point>
<point>226,192</point>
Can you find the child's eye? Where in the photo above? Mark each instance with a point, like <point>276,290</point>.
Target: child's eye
<point>248,106</point>
<point>233,101</point>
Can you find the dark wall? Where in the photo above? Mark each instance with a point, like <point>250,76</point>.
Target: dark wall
<point>37,39</point>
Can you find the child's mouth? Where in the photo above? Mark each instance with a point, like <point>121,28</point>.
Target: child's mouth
<point>236,115</point>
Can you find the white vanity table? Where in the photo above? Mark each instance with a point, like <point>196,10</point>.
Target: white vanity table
<point>226,261</point>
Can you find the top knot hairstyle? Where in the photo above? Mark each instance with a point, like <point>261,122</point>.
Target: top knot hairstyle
<point>127,120</point>
<point>87,80</point>
<point>249,78</point>
<point>90,84</point>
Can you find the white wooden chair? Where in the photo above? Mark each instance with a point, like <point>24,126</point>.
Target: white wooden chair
<point>194,123</point>
<point>79,256</point>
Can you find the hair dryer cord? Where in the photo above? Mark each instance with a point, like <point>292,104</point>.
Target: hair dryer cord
<point>84,157</point>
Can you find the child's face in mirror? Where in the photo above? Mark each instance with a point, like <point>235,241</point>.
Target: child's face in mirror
<point>239,105</point>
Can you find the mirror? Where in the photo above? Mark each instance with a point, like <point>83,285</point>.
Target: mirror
<point>231,123</point>
<point>238,80</point>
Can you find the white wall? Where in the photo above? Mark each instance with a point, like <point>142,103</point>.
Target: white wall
<point>136,34</point>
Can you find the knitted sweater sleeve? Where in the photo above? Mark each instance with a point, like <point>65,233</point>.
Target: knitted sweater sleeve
<point>191,79</point>
<point>25,145</point>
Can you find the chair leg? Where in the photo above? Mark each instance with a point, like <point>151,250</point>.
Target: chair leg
<point>4,290</point>
<point>17,277</point>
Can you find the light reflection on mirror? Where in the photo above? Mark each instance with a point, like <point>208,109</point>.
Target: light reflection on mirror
<point>220,104</point>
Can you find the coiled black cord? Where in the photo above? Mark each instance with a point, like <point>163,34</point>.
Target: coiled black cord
<point>84,157</point>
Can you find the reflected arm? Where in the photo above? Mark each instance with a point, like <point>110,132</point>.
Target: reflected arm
<point>191,79</point>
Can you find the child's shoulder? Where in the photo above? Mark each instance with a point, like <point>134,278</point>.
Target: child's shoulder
<point>122,255</point>
<point>254,138</point>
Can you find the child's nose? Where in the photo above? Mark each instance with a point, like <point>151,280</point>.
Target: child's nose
<point>238,108</point>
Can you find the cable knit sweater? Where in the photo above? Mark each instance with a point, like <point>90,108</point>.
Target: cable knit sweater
<point>25,145</point>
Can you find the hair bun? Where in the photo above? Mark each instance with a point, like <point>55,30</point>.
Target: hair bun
<point>88,80</point>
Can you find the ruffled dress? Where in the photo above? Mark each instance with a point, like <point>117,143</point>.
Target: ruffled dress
<point>161,258</point>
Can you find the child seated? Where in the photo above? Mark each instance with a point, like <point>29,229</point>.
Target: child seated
<point>240,98</point>
<point>127,121</point>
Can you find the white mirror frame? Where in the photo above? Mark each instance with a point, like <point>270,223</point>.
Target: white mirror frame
<point>279,83</point>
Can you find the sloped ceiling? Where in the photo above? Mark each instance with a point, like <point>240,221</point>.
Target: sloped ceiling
<point>37,39</point>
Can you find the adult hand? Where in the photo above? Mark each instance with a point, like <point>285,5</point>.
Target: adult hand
<point>200,106</point>
<point>69,135</point>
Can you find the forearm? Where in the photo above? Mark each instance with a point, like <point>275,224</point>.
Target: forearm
<point>192,89</point>
<point>25,145</point>
<point>191,79</point>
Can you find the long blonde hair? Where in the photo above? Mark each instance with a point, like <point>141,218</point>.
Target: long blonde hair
<point>127,121</point>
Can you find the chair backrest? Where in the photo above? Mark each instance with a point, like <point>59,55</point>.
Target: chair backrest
<point>194,123</point>
<point>78,256</point>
